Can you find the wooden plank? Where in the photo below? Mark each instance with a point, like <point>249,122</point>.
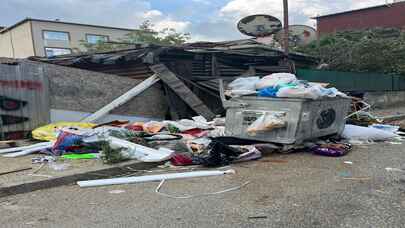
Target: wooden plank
<point>182,91</point>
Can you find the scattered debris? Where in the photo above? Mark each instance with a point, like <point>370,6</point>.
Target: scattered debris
<point>345,174</point>
<point>80,156</point>
<point>332,149</point>
<point>58,166</point>
<point>394,170</point>
<point>116,191</point>
<point>357,178</point>
<point>258,217</point>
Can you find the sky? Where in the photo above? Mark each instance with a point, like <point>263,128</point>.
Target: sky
<point>205,20</point>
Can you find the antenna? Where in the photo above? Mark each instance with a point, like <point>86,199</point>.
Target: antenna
<point>259,25</point>
<point>298,35</point>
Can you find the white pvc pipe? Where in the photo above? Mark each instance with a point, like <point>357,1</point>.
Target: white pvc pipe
<point>21,148</point>
<point>28,151</point>
<point>149,178</point>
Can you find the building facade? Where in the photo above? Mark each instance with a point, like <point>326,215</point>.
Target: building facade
<point>34,37</point>
<point>382,16</point>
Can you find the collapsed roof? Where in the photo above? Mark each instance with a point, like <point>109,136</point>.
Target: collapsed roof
<point>196,65</point>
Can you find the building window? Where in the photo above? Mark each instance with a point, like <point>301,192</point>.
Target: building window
<point>55,35</point>
<point>57,51</point>
<point>94,39</point>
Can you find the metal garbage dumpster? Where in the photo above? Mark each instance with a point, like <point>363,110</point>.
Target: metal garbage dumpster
<point>305,119</point>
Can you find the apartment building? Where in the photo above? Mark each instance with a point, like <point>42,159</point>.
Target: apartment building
<point>35,37</point>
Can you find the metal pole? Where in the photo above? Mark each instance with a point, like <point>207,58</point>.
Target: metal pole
<point>286,25</point>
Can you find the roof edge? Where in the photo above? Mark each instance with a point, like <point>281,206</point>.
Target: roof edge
<point>61,22</point>
<point>361,9</point>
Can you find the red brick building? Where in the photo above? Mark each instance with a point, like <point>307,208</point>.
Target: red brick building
<point>383,16</point>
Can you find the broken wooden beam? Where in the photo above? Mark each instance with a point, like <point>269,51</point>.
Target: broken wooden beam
<point>170,79</point>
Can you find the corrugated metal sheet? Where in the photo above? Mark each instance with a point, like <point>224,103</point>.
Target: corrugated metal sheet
<point>24,97</point>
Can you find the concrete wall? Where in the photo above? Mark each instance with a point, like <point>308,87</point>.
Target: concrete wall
<point>17,43</point>
<point>87,91</point>
<point>76,33</point>
<point>385,99</point>
<point>5,45</point>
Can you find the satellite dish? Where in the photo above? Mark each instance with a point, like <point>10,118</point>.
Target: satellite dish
<point>298,35</point>
<point>259,25</point>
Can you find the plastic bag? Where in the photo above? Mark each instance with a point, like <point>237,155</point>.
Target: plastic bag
<point>312,92</point>
<point>153,127</point>
<point>353,132</point>
<point>50,132</point>
<point>268,92</point>
<point>275,80</point>
<point>185,124</point>
<point>386,127</point>
<point>244,84</point>
<point>329,92</point>
<point>267,122</point>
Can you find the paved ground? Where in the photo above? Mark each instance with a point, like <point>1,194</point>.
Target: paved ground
<point>295,190</point>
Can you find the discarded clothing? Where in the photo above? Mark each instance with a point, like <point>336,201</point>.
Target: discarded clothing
<point>196,132</point>
<point>181,160</point>
<point>332,149</point>
<point>137,126</point>
<point>50,132</point>
<point>65,139</point>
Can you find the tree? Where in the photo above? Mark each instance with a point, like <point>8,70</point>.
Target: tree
<point>378,50</point>
<point>145,34</point>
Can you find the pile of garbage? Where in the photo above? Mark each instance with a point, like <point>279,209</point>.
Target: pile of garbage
<point>197,141</point>
<point>184,142</point>
<point>282,85</point>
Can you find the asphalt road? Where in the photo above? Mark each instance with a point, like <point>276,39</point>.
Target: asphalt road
<point>295,190</point>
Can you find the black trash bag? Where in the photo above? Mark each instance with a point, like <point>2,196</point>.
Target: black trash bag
<point>220,154</point>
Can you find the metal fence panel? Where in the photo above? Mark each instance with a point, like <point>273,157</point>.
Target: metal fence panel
<point>349,81</point>
<point>24,97</point>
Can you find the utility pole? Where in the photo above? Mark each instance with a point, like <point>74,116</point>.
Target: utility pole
<point>286,25</point>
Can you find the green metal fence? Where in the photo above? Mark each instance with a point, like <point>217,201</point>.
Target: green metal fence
<point>349,81</point>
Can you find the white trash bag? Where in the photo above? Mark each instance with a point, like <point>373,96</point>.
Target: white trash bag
<point>275,80</point>
<point>353,132</point>
<point>312,92</point>
<point>244,83</point>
